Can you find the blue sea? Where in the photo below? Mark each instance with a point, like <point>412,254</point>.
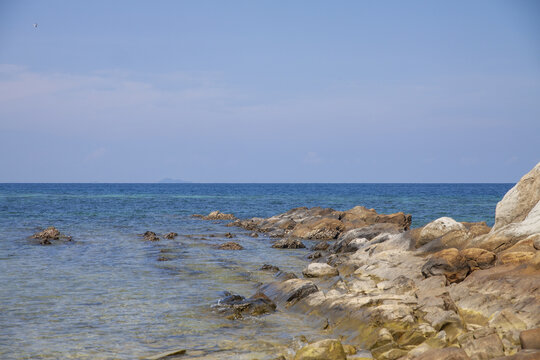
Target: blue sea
<point>106,296</point>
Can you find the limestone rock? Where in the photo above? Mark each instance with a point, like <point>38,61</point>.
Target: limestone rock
<point>519,201</point>
<point>320,270</point>
<point>328,349</point>
<point>438,228</point>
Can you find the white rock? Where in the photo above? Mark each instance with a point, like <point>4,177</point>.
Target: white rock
<point>438,228</point>
<point>319,270</point>
<point>518,201</point>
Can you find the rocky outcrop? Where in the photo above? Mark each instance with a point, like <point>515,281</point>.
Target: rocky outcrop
<point>288,244</point>
<point>518,202</point>
<point>215,215</point>
<point>50,234</point>
<point>455,265</point>
<point>323,223</point>
<point>446,233</point>
<point>517,215</point>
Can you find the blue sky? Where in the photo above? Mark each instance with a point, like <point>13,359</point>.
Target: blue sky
<point>269,91</point>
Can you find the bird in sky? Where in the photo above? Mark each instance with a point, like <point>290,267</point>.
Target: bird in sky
<point>35,25</point>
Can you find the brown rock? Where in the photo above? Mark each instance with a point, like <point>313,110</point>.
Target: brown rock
<point>216,215</point>
<point>360,216</point>
<point>484,348</point>
<point>170,235</point>
<point>50,233</point>
<point>478,258</point>
<point>450,353</point>
<point>516,257</point>
<point>231,245</point>
<point>150,236</point>
<point>530,339</point>
<point>323,229</point>
<point>522,355</point>
<point>448,262</point>
<point>229,235</point>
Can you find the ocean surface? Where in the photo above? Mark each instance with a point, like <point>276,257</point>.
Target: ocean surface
<point>106,296</point>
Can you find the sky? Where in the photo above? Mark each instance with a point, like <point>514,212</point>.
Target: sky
<point>269,91</point>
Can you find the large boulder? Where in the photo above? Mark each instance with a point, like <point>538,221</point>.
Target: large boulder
<point>328,349</point>
<point>517,215</point>
<point>438,228</point>
<point>448,262</point>
<point>519,200</point>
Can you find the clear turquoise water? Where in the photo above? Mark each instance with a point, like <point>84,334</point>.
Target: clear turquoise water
<point>105,296</point>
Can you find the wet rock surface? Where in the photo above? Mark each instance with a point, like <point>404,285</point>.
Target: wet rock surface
<point>235,306</point>
<point>150,236</point>
<point>50,235</point>
<point>230,245</point>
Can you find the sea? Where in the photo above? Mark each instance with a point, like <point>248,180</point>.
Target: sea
<point>105,295</point>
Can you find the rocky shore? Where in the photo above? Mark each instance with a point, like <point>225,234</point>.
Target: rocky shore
<point>447,290</point>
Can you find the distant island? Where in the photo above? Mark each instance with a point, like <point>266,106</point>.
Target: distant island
<point>173,181</point>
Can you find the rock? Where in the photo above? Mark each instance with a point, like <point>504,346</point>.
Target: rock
<point>360,216</point>
<point>530,339</point>
<point>231,245</point>
<point>522,355</point>
<point>320,246</point>
<point>290,291</point>
<point>518,202</point>
<point>315,255</point>
<point>344,246</point>
<point>216,215</point>
<point>437,229</point>
<point>448,262</point>
<point>235,306</point>
<point>449,353</point>
<point>349,349</point>
<point>283,276</point>
<point>516,257</point>
<point>170,235</point>
<point>484,348</point>
<point>440,318</point>
<point>167,354</point>
<point>50,233</point>
<point>289,243</point>
<point>319,270</point>
<point>267,267</point>
<point>328,349</point>
<point>254,235</point>
<point>229,235</point>
<point>323,229</point>
<point>478,258</point>
<point>150,236</point>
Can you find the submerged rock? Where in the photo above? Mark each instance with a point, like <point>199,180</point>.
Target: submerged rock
<point>268,267</point>
<point>150,236</point>
<point>215,215</point>
<point>170,235</point>
<point>50,233</point>
<point>235,306</point>
<point>231,245</point>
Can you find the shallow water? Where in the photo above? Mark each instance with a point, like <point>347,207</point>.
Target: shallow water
<point>106,296</point>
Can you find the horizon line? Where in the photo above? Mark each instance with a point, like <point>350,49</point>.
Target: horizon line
<point>246,183</point>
